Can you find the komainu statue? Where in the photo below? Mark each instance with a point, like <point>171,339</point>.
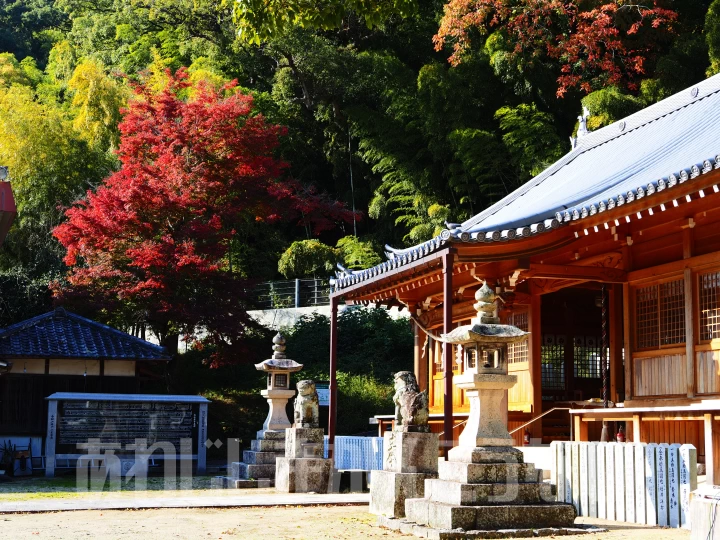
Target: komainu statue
<point>411,405</point>
<point>307,409</point>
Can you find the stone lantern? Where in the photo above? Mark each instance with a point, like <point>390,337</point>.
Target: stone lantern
<point>485,483</point>
<point>277,393</point>
<point>485,376</point>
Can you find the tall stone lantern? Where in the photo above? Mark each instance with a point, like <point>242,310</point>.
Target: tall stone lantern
<point>485,483</point>
<point>485,376</point>
<point>277,393</point>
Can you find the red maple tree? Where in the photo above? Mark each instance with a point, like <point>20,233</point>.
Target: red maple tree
<point>596,42</point>
<point>151,243</point>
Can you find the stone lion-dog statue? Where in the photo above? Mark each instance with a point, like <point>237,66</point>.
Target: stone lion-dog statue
<point>307,408</point>
<point>411,405</point>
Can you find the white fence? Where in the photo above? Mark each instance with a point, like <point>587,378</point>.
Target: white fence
<point>632,482</point>
<point>357,453</point>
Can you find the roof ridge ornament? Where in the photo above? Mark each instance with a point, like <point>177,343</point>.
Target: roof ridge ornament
<point>582,129</point>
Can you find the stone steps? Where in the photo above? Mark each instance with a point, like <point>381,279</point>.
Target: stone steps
<point>247,471</point>
<point>455,493</point>
<point>260,458</point>
<point>488,473</point>
<point>446,516</point>
<point>268,445</point>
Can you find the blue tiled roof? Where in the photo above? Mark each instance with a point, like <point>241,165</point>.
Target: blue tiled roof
<point>61,334</point>
<point>657,148</point>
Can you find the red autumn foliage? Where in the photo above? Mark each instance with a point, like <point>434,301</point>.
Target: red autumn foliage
<point>152,242</point>
<point>596,43</point>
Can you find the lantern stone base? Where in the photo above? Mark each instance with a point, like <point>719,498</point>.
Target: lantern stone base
<point>303,475</point>
<point>257,469</point>
<point>491,488</point>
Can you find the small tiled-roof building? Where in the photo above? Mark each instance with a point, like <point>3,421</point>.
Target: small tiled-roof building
<point>64,352</point>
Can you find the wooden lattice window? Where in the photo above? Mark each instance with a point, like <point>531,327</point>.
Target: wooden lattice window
<point>552,354</point>
<point>660,314</point>
<point>709,296</point>
<point>518,352</point>
<point>587,354</point>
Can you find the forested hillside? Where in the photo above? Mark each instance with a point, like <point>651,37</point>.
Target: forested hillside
<point>411,113</point>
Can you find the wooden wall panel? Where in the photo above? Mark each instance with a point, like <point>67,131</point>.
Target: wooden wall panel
<point>656,251</point>
<point>520,396</point>
<point>660,376</point>
<point>707,238</point>
<point>674,431</point>
<point>707,372</point>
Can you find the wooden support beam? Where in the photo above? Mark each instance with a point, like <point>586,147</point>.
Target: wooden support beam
<point>689,333</point>
<point>580,429</point>
<point>636,427</point>
<point>628,341</point>
<point>712,450</point>
<point>571,271</point>
<point>616,343</point>
<point>448,259</point>
<point>332,409</point>
<point>420,363</point>
<point>534,351</point>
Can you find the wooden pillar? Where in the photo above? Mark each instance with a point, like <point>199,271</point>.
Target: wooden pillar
<point>636,427</point>
<point>712,450</point>
<point>420,364</point>
<point>616,343</point>
<point>689,333</point>
<point>534,351</point>
<point>627,305</point>
<point>580,429</point>
<point>448,419</point>
<point>332,409</point>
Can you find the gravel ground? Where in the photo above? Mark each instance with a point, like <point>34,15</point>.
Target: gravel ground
<point>270,523</point>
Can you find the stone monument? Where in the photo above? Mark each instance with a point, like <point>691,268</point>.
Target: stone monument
<point>257,468</point>
<point>485,484</point>
<point>303,468</point>
<point>410,453</point>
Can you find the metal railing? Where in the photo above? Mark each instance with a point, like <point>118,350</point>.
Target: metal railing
<point>540,416</point>
<point>293,293</point>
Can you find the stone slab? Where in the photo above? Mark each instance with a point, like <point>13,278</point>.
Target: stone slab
<point>248,471</point>
<point>445,516</point>
<point>303,475</point>
<point>487,473</point>
<point>408,452</point>
<point>268,445</point>
<point>304,442</point>
<point>271,434</point>
<point>497,454</point>
<point>227,482</point>
<point>260,458</point>
<point>388,491</point>
<point>455,493</point>
<point>407,527</point>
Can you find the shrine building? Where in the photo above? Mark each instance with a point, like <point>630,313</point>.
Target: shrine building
<point>612,252</point>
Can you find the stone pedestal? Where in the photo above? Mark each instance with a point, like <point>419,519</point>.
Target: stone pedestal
<point>277,417</point>
<point>408,460</point>
<point>302,469</point>
<point>485,484</point>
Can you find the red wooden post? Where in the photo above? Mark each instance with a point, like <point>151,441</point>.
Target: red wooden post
<point>332,420</point>
<point>448,418</point>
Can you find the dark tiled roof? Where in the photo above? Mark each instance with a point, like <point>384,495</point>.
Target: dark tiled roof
<point>653,150</point>
<point>60,334</point>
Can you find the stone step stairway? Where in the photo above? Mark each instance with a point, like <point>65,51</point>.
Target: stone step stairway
<point>257,469</point>
<point>491,489</point>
